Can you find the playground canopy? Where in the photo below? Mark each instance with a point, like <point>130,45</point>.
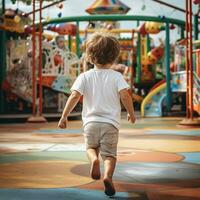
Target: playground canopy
<point>107,7</point>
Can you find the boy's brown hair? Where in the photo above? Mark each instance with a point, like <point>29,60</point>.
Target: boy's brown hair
<point>102,48</point>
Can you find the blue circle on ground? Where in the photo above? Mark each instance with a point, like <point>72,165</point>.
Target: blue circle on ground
<point>191,157</point>
<point>174,132</point>
<point>59,131</point>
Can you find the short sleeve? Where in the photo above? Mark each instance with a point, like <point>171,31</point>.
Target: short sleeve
<point>121,83</point>
<point>79,84</point>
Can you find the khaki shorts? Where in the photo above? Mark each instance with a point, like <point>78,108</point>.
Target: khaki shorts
<point>102,136</point>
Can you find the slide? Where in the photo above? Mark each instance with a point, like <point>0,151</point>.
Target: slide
<point>157,84</point>
<point>152,103</point>
<point>196,98</point>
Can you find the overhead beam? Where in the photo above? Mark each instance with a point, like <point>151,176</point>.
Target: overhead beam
<point>171,6</point>
<point>115,18</point>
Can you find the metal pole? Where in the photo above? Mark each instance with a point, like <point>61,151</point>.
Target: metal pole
<point>37,113</point>
<point>170,5</point>
<point>196,30</point>
<point>167,67</point>
<point>42,8</point>
<point>40,60</point>
<point>182,32</point>
<point>114,18</point>
<point>195,36</point>
<point>77,40</point>
<point>69,42</point>
<point>2,61</point>
<point>190,60</point>
<point>187,65</point>
<point>3,6</point>
<point>139,66</point>
<point>34,61</point>
<point>131,64</point>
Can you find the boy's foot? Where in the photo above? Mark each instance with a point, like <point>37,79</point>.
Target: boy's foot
<point>109,187</point>
<point>95,170</point>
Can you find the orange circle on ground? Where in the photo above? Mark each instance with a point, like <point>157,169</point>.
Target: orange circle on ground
<point>148,156</point>
<point>41,174</point>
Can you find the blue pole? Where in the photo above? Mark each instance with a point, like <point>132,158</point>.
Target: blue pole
<point>139,66</point>
<point>77,40</point>
<point>167,67</point>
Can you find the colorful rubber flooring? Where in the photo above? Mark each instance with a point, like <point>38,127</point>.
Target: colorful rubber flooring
<point>157,160</point>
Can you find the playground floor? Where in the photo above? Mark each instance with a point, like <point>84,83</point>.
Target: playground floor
<point>157,160</point>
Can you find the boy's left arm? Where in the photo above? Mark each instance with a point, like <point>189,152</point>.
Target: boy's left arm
<point>71,103</point>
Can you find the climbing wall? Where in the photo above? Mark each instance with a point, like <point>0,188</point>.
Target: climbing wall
<point>60,69</point>
<point>19,79</point>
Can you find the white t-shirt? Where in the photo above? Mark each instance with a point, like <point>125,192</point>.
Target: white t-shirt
<point>101,101</point>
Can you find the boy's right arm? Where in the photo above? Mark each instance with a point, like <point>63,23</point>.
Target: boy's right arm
<point>128,104</point>
<point>77,90</point>
<point>70,104</point>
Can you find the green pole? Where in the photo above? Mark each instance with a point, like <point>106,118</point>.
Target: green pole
<point>196,31</point>
<point>77,40</point>
<point>2,61</point>
<point>148,43</point>
<point>138,69</point>
<point>69,42</point>
<point>138,58</point>
<point>3,6</point>
<point>167,67</point>
<point>149,49</point>
<point>182,32</point>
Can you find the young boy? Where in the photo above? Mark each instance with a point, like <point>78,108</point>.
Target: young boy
<point>102,88</point>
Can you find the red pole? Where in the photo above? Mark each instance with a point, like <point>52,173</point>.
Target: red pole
<point>190,59</point>
<point>190,120</point>
<point>34,61</point>
<point>52,4</point>
<point>187,64</point>
<point>198,62</point>
<point>40,60</point>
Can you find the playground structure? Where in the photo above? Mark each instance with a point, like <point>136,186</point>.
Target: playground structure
<point>60,69</point>
<point>154,103</point>
<point>145,56</point>
<point>184,79</point>
<point>142,69</point>
<point>157,160</point>
<point>55,70</point>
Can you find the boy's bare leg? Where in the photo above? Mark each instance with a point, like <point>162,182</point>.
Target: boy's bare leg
<point>93,156</point>
<point>109,167</point>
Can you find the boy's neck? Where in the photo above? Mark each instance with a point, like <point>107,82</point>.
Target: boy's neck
<point>106,66</point>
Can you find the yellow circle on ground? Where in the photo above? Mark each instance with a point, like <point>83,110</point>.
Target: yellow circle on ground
<point>41,174</point>
<point>162,145</point>
<point>148,156</point>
